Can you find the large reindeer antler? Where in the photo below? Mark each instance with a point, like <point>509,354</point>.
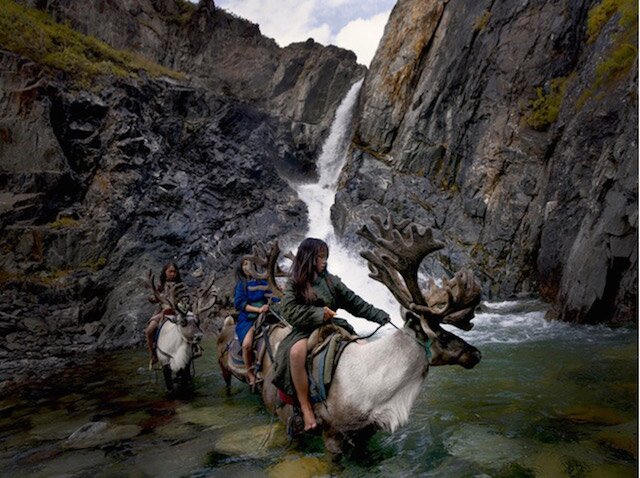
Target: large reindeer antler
<point>264,264</point>
<point>206,297</point>
<point>174,297</point>
<point>400,248</point>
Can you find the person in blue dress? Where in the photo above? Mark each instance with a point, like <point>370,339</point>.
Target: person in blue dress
<point>250,299</point>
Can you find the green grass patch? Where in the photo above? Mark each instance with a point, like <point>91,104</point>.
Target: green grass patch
<point>544,110</point>
<point>64,223</point>
<point>598,17</point>
<point>95,264</point>
<point>34,34</point>
<point>619,62</point>
<point>623,52</point>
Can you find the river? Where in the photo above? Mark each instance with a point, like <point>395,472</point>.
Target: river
<point>548,399</point>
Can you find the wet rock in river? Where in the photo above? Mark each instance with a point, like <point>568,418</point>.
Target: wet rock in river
<point>254,441</point>
<point>213,417</point>
<point>300,467</point>
<point>481,444</point>
<point>622,437</point>
<point>94,434</point>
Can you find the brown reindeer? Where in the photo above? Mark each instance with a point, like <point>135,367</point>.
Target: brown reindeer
<point>179,335</point>
<point>376,383</point>
<point>269,330</point>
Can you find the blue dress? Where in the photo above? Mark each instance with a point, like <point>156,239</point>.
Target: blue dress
<point>252,292</point>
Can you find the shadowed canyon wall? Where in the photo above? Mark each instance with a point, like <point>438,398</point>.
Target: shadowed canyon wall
<point>511,129</point>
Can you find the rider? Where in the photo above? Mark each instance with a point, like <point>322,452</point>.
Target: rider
<point>310,299</point>
<point>250,299</point>
<point>169,276</point>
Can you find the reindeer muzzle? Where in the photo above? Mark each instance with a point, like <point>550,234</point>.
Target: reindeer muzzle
<point>470,358</point>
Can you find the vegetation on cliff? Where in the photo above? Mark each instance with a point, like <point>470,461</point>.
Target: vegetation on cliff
<point>34,34</point>
<point>546,107</point>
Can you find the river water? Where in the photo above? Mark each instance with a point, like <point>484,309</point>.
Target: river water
<point>547,400</point>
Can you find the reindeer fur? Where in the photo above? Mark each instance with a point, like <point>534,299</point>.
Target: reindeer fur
<point>170,341</point>
<point>376,383</point>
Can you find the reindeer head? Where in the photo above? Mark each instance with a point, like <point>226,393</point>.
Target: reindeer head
<point>399,250</point>
<point>188,308</point>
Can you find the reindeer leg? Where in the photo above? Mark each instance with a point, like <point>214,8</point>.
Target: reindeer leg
<point>226,375</point>
<point>168,379</point>
<point>333,443</point>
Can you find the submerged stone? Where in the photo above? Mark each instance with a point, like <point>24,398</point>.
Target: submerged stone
<point>56,425</point>
<point>95,434</point>
<point>622,437</point>
<point>480,444</point>
<point>596,415</point>
<point>300,467</point>
<point>254,441</point>
<point>214,417</point>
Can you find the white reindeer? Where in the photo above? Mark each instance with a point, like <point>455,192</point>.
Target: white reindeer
<point>180,334</point>
<point>376,383</point>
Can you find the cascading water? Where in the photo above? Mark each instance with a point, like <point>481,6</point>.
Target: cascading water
<point>320,196</point>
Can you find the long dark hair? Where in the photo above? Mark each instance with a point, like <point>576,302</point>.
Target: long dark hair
<point>163,275</point>
<point>240,275</point>
<point>303,271</point>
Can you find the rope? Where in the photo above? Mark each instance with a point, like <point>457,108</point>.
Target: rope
<point>266,439</point>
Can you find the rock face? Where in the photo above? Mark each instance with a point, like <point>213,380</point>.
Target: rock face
<point>98,185</point>
<point>106,185</point>
<point>511,129</point>
<point>302,83</point>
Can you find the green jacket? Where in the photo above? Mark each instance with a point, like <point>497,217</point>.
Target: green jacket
<point>331,292</point>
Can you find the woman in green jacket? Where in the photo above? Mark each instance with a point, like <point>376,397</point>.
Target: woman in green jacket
<point>311,298</point>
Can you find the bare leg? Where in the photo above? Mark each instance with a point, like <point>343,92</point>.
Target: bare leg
<point>149,332</point>
<point>298,356</point>
<point>247,356</point>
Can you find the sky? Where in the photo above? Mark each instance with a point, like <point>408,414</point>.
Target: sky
<point>356,25</point>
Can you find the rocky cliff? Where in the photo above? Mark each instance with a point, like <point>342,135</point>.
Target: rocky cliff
<point>104,176</point>
<point>302,83</point>
<point>511,128</point>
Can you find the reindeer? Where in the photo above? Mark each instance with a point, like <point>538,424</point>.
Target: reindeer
<point>376,383</point>
<point>179,335</point>
<point>264,265</point>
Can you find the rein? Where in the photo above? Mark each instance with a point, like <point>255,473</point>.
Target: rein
<point>426,344</point>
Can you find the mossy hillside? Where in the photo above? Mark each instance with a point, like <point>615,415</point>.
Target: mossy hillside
<point>623,52</point>
<point>621,55</point>
<point>34,34</point>
<point>600,14</point>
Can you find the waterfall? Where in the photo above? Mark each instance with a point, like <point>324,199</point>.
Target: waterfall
<point>320,196</point>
